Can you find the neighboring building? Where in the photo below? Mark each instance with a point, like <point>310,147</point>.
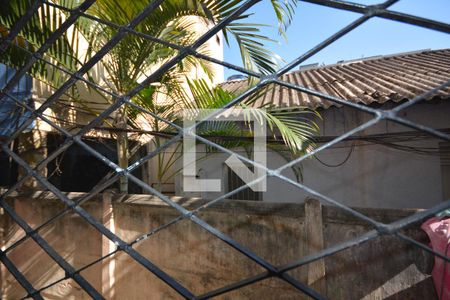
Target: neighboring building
<point>387,165</point>
<point>11,116</point>
<point>76,169</point>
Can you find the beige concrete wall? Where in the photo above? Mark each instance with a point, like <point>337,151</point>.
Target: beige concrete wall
<point>89,102</point>
<point>381,269</point>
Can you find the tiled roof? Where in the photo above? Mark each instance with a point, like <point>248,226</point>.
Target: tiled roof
<point>379,79</point>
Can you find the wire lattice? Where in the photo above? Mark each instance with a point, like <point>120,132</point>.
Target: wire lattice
<point>367,12</point>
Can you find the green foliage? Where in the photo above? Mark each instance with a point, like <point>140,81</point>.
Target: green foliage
<point>63,52</point>
<point>294,126</point>
<point>166,23</point>
<point>134,58</point>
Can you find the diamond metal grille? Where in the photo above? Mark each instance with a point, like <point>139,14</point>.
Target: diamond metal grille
<point>379,229</point>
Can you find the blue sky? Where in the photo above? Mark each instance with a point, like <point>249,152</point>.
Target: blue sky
<point>313,23</point>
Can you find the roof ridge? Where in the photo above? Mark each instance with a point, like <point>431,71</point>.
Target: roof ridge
<point>359,60</point>
<point>375,57</point>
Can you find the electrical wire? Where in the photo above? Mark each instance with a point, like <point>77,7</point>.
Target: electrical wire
<point>339,164</point>
<point>394,140</point>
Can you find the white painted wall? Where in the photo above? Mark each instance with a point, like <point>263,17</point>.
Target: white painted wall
<point>373,176</point>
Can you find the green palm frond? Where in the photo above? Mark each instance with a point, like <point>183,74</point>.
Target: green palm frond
<point>291,124</point>
<point>294,126</point>
<point>204,96</point>
<point>254,53</point>
<point>285,11</point>
<point>251,42</point>
<point>63,52</point>
<point>135,54</point>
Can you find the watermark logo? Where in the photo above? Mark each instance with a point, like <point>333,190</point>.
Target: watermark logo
<point>193,120</point>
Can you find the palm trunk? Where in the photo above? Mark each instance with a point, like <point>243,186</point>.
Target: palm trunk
<point>122,148</point>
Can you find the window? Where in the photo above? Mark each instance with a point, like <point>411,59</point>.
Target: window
<point>234,182</point>
<point>76,170</point>
<point>8,169</point>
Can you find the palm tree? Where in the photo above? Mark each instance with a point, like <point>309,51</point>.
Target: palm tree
<point>134,56</point>
<point>292,128</point>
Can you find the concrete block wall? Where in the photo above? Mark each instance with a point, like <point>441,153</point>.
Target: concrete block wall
<point>385,268</point>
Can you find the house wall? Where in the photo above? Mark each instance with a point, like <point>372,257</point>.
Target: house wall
<point>91,102</point>
<point>373,176</point>
<point>384,268</point>
<point>68,113</point>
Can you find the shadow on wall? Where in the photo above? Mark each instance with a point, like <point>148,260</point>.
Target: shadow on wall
<point>279,233</point>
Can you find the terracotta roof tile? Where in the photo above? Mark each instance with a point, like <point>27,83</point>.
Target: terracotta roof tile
<point>385,78</point>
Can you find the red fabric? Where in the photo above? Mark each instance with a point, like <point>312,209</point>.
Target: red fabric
<point>439,233</point>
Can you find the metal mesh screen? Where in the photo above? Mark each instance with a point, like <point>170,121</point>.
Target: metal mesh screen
<point>379,229</point>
